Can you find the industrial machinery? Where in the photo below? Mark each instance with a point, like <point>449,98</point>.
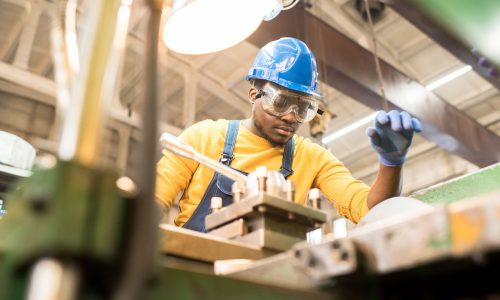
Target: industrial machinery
<point>263,212</point>
<point>79,231</point>
<point>16,160</point>
<point>398,243</point>
<point>431,252</point>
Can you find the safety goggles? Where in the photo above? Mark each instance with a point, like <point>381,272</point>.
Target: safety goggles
<point>279,102</point>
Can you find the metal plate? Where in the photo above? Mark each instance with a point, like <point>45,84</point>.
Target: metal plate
<point>204,247</point>
<point>278,207</point>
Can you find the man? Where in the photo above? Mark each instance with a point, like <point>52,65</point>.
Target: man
<point>283,95</point>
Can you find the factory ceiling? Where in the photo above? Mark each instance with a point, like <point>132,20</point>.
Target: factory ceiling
<point>461,117</point>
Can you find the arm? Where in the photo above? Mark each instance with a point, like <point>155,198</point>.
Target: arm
<point>391,137</point>
<point>387,184</point>
<point>173,172</point>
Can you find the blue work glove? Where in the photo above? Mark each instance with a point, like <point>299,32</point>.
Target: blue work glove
<point>391,137</point>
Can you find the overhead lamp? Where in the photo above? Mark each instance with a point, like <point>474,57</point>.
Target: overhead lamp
<point>337,134</point>
<point>205,26</point>
<point>448,77</point>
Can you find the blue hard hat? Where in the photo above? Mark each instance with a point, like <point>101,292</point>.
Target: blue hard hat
<point>289,63</point>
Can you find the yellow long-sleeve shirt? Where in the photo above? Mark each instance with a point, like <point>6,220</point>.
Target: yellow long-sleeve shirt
<point>313,167</point>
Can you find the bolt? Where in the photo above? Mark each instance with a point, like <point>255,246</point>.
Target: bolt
<point>335,245</point>
<point>262,178</point>
<point>312,262</point>
<point>344,255</point>
<point>290,190</point>
<point>39,203</point>
<point>216,204</point>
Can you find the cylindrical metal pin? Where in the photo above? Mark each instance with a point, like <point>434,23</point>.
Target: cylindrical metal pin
<point>216,204</point>
<point>262,178</point>
<point>314,198</point>
<point>237,191</point>
<point>289,190</point>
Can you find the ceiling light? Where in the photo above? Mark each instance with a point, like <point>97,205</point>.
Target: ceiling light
<point>448,77</point>
<point>348,129</point>
<point>205,26</point>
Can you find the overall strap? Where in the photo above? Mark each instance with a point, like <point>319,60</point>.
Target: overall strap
<point>231,134</point>
<point>286,163</point>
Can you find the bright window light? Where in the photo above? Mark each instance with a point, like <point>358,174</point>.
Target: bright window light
<point>205,26</point>
<point>448,77</point>
<point>345,130</point>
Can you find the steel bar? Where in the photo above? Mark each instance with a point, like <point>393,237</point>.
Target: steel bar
<point>441,35</point>
<point>205,247</point>
<point>173,144</point>
<point>143,229</point>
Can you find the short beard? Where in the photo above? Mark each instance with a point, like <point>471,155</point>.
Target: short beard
<point>259,128</point>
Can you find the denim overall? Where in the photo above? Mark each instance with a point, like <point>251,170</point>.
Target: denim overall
<point>220,185</point>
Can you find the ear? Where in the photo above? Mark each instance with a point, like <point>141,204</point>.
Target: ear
<point>252,94</point>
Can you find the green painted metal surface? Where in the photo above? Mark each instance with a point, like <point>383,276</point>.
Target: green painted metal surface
<point>476,22</point>
<point>187,285</point>
<point>480,182</point>
<point>70,211</point>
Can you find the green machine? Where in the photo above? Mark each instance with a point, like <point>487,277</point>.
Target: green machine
<point>76,230</point>
<point>79,231</point>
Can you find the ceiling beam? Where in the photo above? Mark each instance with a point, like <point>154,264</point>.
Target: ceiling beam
<point>190,91</point>
<point>350,68</point>
<point>24,92</point>
<point>411,12</point>
<point>28,80</point>
<point>23,51</point>
<point>43,90</point>
<point>177,64</point>
<point>210,84</point>
<point>11,35</point>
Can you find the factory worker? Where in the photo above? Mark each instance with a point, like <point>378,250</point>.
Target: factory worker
<point>284,95</point>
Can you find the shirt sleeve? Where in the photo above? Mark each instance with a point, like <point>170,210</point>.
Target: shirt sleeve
<point>173,172</point>
<point>348,195</point>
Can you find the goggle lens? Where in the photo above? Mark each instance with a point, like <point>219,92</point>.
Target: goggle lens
<point>279,103</point>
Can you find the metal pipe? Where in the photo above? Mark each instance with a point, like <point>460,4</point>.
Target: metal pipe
<point>83,124</point>
<point>143,233</point>
<point>172,143</point>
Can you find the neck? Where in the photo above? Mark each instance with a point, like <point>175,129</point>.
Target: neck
<point>250,125</point>
<point>254,128</point>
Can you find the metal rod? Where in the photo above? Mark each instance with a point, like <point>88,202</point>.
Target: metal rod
<point>172,143</point>
<point>143,232</point>
<point>380,78</point>
<point>83,125</point>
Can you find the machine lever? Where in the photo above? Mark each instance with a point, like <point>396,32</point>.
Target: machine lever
<point>172,143</point>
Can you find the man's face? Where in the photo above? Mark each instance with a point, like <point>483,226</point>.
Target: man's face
<point>277,130</point>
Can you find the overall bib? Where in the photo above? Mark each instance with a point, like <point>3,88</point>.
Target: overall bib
<point>220,185</point>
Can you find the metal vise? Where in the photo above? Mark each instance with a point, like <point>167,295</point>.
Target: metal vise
<point>264,213</point>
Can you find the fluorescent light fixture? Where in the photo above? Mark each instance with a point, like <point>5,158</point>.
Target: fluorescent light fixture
<point>448,77</point>
<point>345,130</point>
<point>205,26</point>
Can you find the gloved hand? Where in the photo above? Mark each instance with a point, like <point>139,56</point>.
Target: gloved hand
<point>391,137</point>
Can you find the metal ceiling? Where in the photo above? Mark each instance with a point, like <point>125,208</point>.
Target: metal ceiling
<point>462,116</point>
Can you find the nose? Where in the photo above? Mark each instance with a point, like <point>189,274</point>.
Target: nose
<point>289,118</point>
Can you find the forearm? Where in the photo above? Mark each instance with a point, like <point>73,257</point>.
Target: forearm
<point>386,185</point>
